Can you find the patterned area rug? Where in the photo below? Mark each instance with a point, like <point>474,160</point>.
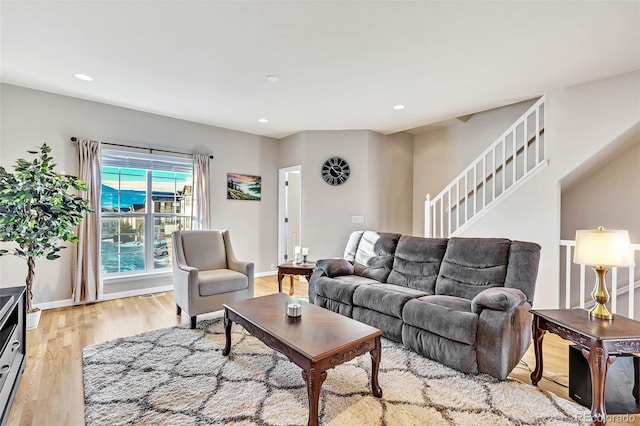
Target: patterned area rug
<point>178,376</point>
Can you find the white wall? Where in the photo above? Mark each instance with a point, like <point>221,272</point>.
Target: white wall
<point>379,187</point>
<point>390,182</point>
<point>327,209</point>
<point>290,152</point>
<point>440,155</point>
<point>581,123</point>
<point>608,196</point>
<point>611,193</point>
<point>29,118</point>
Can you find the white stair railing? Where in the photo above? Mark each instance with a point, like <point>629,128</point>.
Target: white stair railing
<point>505,165</point>
<point>616,289</point>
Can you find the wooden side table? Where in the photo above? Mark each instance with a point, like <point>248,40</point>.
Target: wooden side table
<point>600,340</point>
<point>291,269</point>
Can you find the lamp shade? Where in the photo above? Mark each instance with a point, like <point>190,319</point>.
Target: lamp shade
<point>600,247</point>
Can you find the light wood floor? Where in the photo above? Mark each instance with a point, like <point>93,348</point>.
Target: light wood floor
<point>50,391</point>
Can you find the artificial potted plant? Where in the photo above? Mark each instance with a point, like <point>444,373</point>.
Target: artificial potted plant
<point>38,209</point>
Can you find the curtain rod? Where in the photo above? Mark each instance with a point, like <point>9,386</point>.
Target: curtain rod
<point>74,139</point>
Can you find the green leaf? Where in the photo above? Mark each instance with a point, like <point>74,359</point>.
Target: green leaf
<point>37,209</point>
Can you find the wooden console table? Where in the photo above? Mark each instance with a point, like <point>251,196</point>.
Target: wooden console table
<point>291,269</point>
<point>600,340</point>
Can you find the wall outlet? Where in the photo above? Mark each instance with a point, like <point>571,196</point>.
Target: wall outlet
<point>273,266</point>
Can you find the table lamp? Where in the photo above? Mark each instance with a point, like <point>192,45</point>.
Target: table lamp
<point>602,249</point>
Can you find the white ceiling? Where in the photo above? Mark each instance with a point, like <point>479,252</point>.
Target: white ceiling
<point>341,64</point>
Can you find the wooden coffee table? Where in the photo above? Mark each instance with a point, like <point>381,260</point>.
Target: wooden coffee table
<point>316,341</point>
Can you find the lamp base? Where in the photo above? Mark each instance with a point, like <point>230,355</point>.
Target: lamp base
<point>600,295</point>
<point>600,311</point>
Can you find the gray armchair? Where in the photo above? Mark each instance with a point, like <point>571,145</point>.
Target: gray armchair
<point>206,273</point>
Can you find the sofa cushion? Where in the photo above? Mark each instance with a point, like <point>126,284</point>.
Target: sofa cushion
<point>356,279</point>
<point>456,355</point>
<point>335,267</point>
<point>524,258</point>
<point>446,316</point>
<point>374,257</point>
<point>471,265</point>
<point>386,298</point>
<point>352,246</point>
<point>417,261</point>
<point>219,281</point>
<point>332,305</point>
<point>341,288</point>
<point>391,326</point>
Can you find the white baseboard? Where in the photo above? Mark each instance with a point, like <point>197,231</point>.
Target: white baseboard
<point>122,294</point>
<point>108,296</point>
<point>137,292</point>
<point>55,304</point>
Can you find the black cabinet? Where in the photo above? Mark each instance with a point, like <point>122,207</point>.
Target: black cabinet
<point>12,344</point>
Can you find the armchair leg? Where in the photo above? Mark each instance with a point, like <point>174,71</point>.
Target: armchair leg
<point>193,321</point>
<point>178,310</point>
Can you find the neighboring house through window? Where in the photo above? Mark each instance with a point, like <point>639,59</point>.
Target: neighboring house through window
<point>145,198</point>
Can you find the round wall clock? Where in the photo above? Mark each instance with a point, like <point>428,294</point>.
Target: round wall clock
<point>335,171</point>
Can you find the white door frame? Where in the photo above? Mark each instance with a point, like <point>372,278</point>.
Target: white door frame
<point>282,191</point>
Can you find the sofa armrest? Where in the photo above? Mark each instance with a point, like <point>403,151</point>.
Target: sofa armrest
<point>335,267</point>
<point>502,339</point>
<point>498,299</point>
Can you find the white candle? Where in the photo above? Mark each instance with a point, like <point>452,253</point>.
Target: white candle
<point>305,251</point>
<point>296,250</point>
<point>294,309</point>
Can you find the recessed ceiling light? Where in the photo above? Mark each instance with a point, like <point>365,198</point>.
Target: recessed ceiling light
<point>263,120</point>
<point>273,78</point>
<point>83,77</point>
<point>398,107</point>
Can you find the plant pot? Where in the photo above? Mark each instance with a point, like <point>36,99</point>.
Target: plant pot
<point>33,318</point>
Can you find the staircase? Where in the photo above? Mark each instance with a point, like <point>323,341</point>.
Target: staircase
<point>513,159</point>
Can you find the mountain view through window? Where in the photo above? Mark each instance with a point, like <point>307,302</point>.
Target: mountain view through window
<point>140,208</point>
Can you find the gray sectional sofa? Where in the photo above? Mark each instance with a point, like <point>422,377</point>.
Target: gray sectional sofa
<point>463,302</point>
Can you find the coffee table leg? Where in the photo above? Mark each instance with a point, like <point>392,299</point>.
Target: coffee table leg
<point>314,381</point>
<point>375,365</point>
<point>227,334</point>
<point>538,334</point>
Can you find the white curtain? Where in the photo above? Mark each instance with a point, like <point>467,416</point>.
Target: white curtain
<point>201,191</point>
<point>87,278</point>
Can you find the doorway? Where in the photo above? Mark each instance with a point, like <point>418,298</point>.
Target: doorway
<point>289,212</point>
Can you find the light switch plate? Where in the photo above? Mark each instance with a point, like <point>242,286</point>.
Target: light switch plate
<point>357,219</point>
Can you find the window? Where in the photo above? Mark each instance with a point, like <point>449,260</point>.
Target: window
<point>144,199</point>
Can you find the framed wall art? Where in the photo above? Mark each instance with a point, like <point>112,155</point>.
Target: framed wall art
<point>243,187</point>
